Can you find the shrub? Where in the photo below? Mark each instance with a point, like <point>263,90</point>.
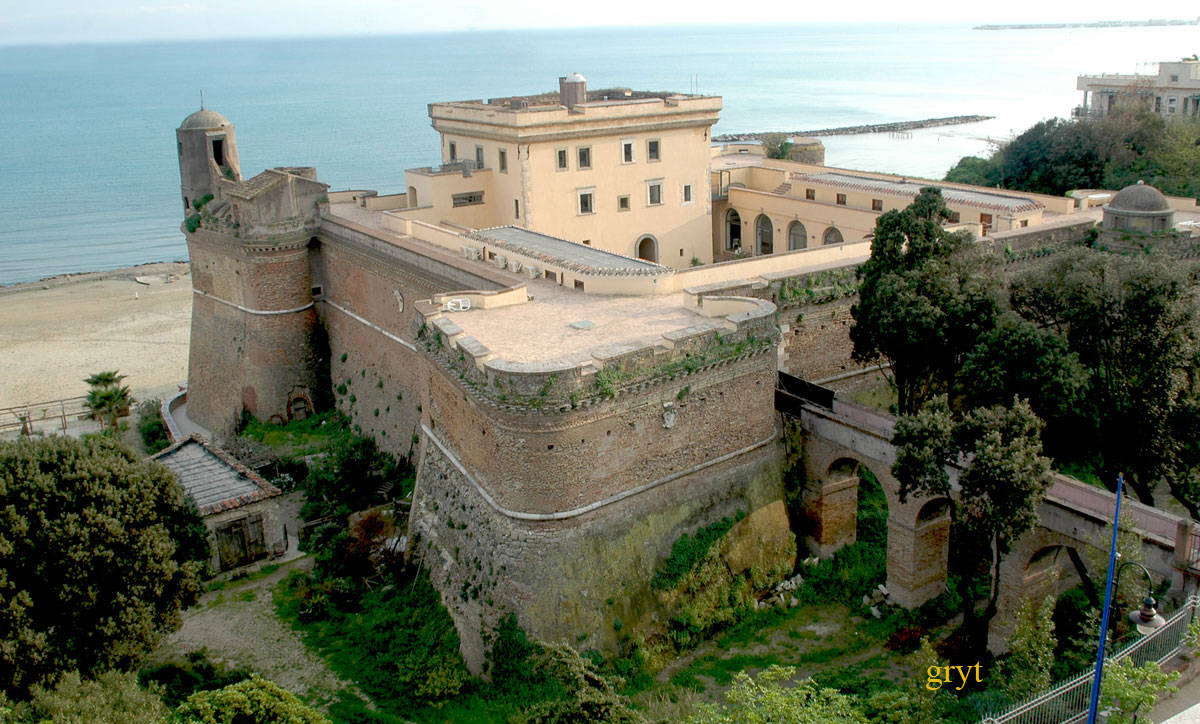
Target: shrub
<point>151,426</point>
<point>252,701</point>
<point>688,551</point>
<point>110,698</point>
<point>178,680</point>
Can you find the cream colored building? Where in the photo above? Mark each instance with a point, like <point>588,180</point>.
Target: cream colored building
<point>765,206</point>
<point>1175,90</point>
<point>620,170</point>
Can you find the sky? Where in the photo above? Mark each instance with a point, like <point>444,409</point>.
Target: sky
<point>105,21</point>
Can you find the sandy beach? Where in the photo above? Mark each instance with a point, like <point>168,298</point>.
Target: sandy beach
<point>57,331</point>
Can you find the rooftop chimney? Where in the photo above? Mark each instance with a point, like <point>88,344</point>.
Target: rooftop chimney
<point>572,90</point>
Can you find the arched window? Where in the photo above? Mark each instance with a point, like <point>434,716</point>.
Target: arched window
<point>763,234</point>
<point>733,231</point>
<point>647,248</point>
<point>797,236</point>
<point>832,236</point>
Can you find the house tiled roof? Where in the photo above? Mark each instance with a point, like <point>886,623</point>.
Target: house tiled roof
<point>994,201</point>
<point>212,478</point>
<point>569,254</point>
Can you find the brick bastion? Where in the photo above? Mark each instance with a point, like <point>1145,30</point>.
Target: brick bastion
<point>553,487</point>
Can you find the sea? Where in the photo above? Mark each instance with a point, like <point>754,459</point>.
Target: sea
<point>88,172</point>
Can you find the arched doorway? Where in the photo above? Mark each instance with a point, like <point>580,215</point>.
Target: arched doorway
<point>733,231</point>
<point>832,236</point>
<point>763,235</point>
<point>412,197</point>
<point>797,236</point>
<point>647,248</point>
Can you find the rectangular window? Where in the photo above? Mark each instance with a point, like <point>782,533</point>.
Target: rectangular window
<point>654,193</point>
<point>627,151</point>
<point>585,202</point>
<point>1172,104</point>
<point>1024,223</point>
<point>876,204</point>
<point>622,203</point>
<point>986,220</point>
<point>218,146</point>
<point>841,199</point>
<point>516,208</point>
<point>652,150</point>
<point>585,157</point>
<point>470,198</point>
<point>810,194</point>
<point>479,157</point>
<point>954,217</point>
<point>503,161</point>
<point>687,193</point>
<point>453,152</point>
<point>561,155</point>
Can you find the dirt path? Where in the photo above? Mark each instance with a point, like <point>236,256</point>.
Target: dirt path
<point>238,627</point>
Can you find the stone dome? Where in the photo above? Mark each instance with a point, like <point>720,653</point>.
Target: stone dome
<point>204,119</point>
<point>1139,198</point>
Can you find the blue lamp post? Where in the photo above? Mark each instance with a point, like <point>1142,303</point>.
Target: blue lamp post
<point>1146,619</point>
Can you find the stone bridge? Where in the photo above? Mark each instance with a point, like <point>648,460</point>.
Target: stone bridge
<point>1073,518</point>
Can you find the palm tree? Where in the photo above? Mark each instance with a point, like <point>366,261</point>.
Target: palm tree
<point>107,398</point>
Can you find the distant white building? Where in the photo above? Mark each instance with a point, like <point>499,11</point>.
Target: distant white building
<point>1174,91</point>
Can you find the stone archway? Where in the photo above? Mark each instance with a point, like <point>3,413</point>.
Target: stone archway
<point>733,231</point>
<point>647,248</point>
<point>797,236</point>
<point>764,235</point>
<point>832,236</point>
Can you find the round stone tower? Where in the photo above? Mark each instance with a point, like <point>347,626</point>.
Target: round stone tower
<point>207,150</point>
<point>252,309</point>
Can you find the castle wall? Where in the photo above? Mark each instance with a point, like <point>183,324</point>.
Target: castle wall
<point>572,580</point>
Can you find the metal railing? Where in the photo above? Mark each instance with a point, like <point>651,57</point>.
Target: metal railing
<point>54,414</point>
<point>1067,703</point>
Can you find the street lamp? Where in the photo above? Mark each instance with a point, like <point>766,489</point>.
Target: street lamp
<point>1145,619</point>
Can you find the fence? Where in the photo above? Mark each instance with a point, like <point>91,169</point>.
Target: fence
<point>1068,702</point>
<point>41,416</point>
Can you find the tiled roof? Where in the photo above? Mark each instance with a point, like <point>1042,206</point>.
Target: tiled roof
<point>212,478</point>
<point>569,254</point>
<point>254,186</point>
<point>955,196</point>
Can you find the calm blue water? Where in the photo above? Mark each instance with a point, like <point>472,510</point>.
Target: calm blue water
<point>88,175</point>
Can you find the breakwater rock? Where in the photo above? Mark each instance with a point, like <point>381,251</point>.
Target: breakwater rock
<point>851,130</point>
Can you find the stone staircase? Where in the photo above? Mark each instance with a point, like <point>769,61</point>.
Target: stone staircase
<point>783,189</point>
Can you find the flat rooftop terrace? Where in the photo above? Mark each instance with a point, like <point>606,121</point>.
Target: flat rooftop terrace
<point>560,324</point>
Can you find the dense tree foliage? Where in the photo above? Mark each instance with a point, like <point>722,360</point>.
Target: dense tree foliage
<point>926,297</point>
<point>1113,151</point>
<point>1131,323</point>
<point>1002,479</point>
<point>99,551</point>
<point>1026,670</point>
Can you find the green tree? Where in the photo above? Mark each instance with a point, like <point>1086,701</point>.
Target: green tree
<point>1026,669</point>
<point>777,145</point>
<point>99,551</point>
<point>587,694</point>
<point>1002,480</point>
<point>926,296</point>
<point>1128,691</point>
<point>251,701</point>
<point>775,696</point>
<point>975,171</point>
<point>1131,322</point>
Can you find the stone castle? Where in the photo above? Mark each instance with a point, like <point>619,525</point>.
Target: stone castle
<point>539,323</point>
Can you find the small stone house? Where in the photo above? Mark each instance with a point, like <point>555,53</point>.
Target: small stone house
<point>239,508</point>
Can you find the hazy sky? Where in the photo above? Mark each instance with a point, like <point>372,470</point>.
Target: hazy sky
<point>57,21</point>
